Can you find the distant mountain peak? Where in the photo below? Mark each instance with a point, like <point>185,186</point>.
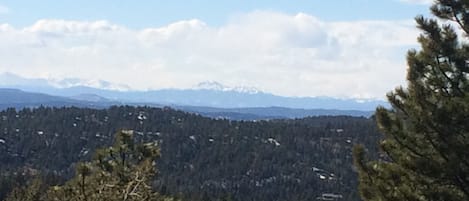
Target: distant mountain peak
<point>216,86</point>
<point>75,82</point>
<point>245,89</point>
<point>211,85</point>
<point>8,79</point>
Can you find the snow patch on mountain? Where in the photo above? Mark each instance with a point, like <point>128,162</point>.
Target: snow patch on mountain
<point>216,86</point>
<point>8,79</point>
<point>76,82</point>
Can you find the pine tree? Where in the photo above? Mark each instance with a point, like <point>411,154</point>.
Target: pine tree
<point>123,172</point>
<point>34,191</point>
<point>426,133</point>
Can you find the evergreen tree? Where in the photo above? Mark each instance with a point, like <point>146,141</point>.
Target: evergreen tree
<point>237,160</point>
<point>426,133</point>
<point>34,191</point>
<point>122,172</point>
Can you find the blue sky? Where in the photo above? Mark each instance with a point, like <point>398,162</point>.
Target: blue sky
<point>140,14</point>
<point>346,48</point>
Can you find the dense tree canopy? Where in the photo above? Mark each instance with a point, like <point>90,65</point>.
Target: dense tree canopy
<point>201,158</point>
<point>426,144</point>
<point>121,172</point>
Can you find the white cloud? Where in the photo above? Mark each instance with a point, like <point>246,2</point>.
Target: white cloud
<point>71,27</point>
<point>4,10</point>
<point>297,55</point>
<point>420,2</point>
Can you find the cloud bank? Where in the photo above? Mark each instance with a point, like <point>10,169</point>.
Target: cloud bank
<point>293,55</point>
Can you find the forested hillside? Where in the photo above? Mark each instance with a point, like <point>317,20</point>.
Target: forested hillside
<point>201,158</point>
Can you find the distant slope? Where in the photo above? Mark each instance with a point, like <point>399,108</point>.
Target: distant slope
<point>259,113</point>
<point>20,99</point>
<point>12,96</point>
<point>90,98</point>
<point>207,94</point>
<point>220,99</point>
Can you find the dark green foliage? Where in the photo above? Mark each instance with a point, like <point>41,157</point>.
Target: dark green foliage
<point>34,190</point>
<point>201,158</point>
<point>426,143</point>
<point>121,172</point>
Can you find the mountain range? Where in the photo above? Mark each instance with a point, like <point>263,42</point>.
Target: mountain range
<point>207,98</point>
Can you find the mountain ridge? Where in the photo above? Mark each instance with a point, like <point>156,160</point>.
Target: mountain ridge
<point>208,94</point>
<point>20,99</point>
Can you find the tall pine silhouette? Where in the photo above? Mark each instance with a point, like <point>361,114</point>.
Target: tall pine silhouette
<point>426,133</point>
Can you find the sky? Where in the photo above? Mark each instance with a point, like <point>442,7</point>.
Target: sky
<point>337,48</point>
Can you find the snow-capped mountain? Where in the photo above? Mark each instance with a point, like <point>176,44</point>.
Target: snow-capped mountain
<point>20,99</point>
<point>205,94</point>
<point>15,81</point>
<point>76,82</point>
<point>216,86</point>
<point>210,85</point>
